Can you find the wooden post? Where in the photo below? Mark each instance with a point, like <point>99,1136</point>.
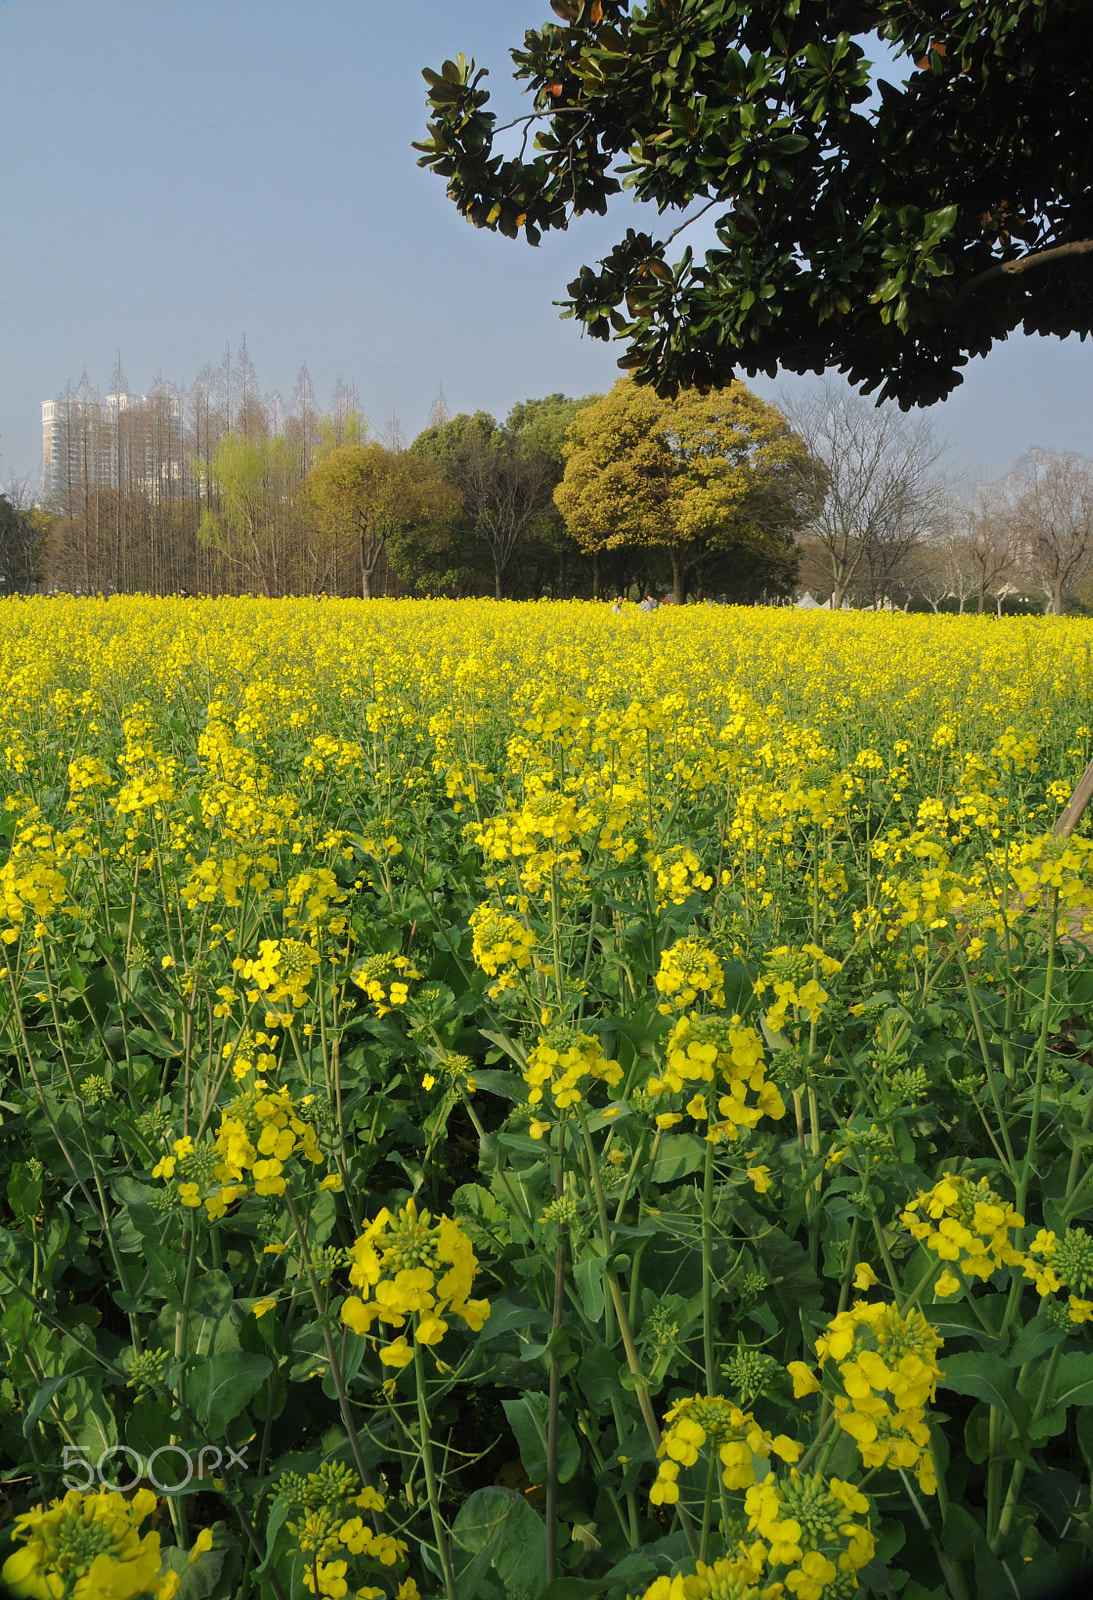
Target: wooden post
<point>1077,803</point>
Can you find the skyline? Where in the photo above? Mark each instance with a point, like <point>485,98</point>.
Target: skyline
<point>175,182</point>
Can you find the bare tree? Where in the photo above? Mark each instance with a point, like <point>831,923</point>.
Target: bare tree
<point>928,573</point>
<point>440,411</point>
<point>873,470</point>
<point>1051,499</point>
<point>986,542</point>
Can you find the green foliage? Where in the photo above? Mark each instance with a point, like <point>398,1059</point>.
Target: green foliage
<point>506,476</point>
<point>890,225</point>
<point>366,497</point>
<point>23,534</point>
<point>702,477</point>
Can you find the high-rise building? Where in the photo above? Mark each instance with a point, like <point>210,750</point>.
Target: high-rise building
<point>125,441</point>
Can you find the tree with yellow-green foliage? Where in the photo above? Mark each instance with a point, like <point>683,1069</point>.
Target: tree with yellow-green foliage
<point>365,496</point>
<point>698,476</point>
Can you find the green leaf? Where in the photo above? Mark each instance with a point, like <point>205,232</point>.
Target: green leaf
<point>1071,1385</point>
<point>505,1084</point>
<point>222,1386</point>
<point>936,224</point>
<point>987,1378</point>
<point>46,1390</point>
<point>1035,1339</point>
<point>503,1042</point>
<point>497,1528</point>
<point>598,1376</point>
<point>24,1192</point>
<point>199,1581</point>
<point>527,1417</point>
<point>588,1274</point>
<point>679,1154</point>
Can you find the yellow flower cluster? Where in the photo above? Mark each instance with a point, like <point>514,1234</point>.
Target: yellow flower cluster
<point>700,1050</point>
<point>967,1224</point>
<point>888,1373</point>
<point>818,1528</point>
<point>260,1130</point>
<point>89,1547</point>
<point>31,881</point>
<point>728,1579</point>
<point>783,969</point>
<point>410,1266</point>
<point>689,969</point>
<point>534,835</point>
<point>329,1529</point>
<point>281,971</point>
<point>373,972</point>
<point>1055,1264</point>
<point>1059,866</point>
<point>561,1065</point>
<point>500,941</point>
<point>740,1442</point>
<point>679,874</point>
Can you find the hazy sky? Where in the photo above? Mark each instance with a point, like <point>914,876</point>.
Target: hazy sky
<point>176,175</point>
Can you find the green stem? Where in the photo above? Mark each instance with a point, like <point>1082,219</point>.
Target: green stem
<point>440,1532</point>
<point>1041,1059</point>
<point>1018,1477</point>
<point>708,1281</point>
<point>554,1400</point>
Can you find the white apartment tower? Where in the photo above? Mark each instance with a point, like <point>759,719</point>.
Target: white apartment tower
<point>125,441</point>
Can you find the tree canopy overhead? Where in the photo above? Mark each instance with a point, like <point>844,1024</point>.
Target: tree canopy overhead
<point>891,230</point>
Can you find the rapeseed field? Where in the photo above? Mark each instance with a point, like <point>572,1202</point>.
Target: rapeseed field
<point>524,1102</point>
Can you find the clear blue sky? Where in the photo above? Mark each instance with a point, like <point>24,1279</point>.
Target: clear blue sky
<point>175,175</point>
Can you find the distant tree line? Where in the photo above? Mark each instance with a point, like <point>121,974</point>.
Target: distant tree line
<point>225,489</point>
<point>221,489</point>
<point>888,529</point>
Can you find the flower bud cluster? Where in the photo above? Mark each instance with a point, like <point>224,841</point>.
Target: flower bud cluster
<point>501,944</point>
<point>281,971</point>
<point>727,1579</point>
<point>679,875</point>
<point>89,1547</point>
<point>688,970</point>
<point>373,972</point>
<point>816,1527</point>
<point>1054,1264</point>
<point>329,1529</point>
<point>561,1065</point>
<point>783,969</point>
<point>259,1131</point>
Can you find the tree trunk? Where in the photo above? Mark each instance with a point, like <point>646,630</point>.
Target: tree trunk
<point>838,595</point>
<point>596,574</point>
<point>497,594</point>
<point>366,576</point>
<point>677,578</point>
